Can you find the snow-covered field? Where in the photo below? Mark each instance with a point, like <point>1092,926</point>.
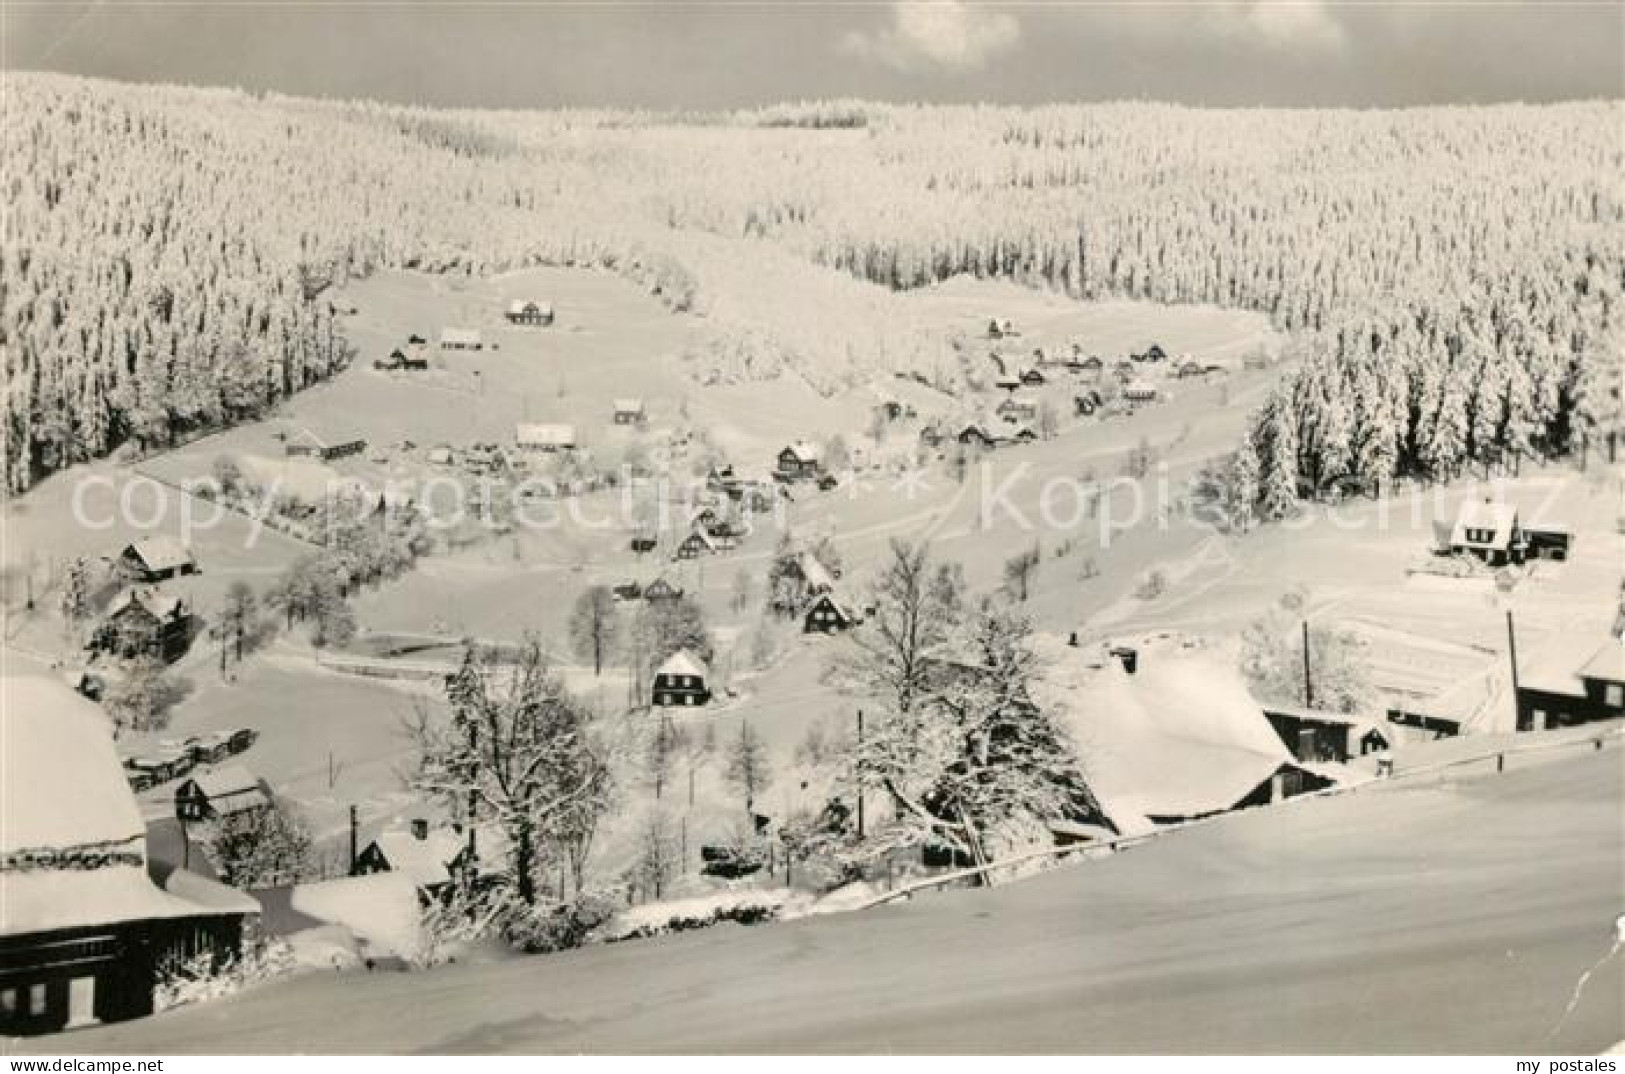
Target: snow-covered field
<point>1453,915</point>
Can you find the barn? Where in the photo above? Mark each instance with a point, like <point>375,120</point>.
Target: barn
<point>1140,391</point>
<point>156,559</point>
<point>681,681</point>
<point>308,444</point>
<point>83,928</point>
<point>660,589</point>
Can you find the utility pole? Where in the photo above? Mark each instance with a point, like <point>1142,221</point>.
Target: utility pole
<point>1308,685</point>
<point>1512,658</point>
<point>860,780</point>
<point>355,828</point>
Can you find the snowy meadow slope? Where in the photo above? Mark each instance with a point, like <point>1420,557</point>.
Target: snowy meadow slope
<point>1411,917</point>
<point>1458,270</point>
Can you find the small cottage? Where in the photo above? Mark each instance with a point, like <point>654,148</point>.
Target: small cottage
<point>219,793</point>
<point>660,589</point>
<point>630,412</point>
<point>828,615</point>
<point>1033,378</point>
<point>801,459</point>
<point>695,545</point>
<point>530,314</point>
<point>1488,529</point>
<point>1140,391</point>
<point>681,681</point>
<point>156,559</point>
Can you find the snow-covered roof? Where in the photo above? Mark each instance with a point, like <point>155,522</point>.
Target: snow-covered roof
<point>805,451</point>
<point>520,305</point>
<point>148,600</point>
<point>380,908</point>
<point>1181,737</point>
<point>1495,517</point>
<point>73,846</point>
<point>683,662</point>
<point>1354,720</point>
<point>1140,388</point>
<point>229,788</point>
<point>1607,663</point>
<point>814,575</point>
<point>629,406</point>
<point>426,861</point>
<point>465,337</point>
<point>546,435</point>
<point>160,552</point>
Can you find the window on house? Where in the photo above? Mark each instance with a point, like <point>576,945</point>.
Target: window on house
<point>1615,696</point>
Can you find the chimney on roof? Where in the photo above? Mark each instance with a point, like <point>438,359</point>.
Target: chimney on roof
<point>420,829</point>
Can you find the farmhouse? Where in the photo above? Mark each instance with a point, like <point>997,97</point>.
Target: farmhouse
<point>530,314</point>
<point>996,434</point>
<point>1140,391</point>
<point>1593,691</point>
<point>630,412</point>
<point>83,928</point>
<point>460,339</point>
<point>1488,530</point>
<point>548,439</point>
<point>143,624</point>
<point>305,443</point>
<point>660,589</point>
<point>1017,409</point>
<point>1090,365</point>
<point>219,793</point>
<point>156,559</point>
<point>695,545</point>
<point>430,857</point>
<point>681,681</point>
<point>1178,738</point>
<point>1033,378</point>
<point>801,459</point>
<point>1326,737</point>
<point>1191,369</point>
<point>1153,353</point>
<point>1083,405</point>
<point>828,615</point>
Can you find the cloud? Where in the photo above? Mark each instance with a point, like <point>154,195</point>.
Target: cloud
<point>1288,24</point>
<point>946,35</point>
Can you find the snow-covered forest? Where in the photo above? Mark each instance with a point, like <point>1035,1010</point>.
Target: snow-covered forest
<point>1455,273</point>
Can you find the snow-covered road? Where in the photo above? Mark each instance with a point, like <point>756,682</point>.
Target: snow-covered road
<point>1456,915</point>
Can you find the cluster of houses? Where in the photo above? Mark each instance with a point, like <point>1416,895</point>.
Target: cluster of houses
<point>172,760</point>
<point>412,356</point>
<point>145,620</point>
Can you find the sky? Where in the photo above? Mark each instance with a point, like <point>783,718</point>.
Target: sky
<point>710,55</point>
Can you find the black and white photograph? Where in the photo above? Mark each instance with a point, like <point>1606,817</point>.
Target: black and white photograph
<point>754,528</point>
